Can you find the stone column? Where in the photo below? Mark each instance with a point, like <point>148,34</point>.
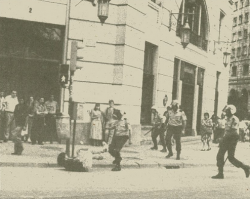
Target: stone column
<point>195,103</point>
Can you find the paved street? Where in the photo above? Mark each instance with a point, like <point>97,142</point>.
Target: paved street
<point>129,183</point>
<point>29,176</point>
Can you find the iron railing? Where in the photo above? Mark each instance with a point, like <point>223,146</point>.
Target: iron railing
<point>198,41</point>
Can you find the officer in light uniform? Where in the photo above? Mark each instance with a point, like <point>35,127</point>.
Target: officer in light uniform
<point>176,120</point>
<point>158,129</point>
<point>229,142</point>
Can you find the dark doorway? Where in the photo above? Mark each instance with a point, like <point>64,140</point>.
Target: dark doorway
<point>187,105</point>
<point>200,81</point>
<point>147,84</point>
<point>187,97</point>
<point>39,79</point>
<point>30,53</point>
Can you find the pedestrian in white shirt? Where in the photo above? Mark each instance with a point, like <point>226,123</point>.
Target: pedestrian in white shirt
<point>10,103</point>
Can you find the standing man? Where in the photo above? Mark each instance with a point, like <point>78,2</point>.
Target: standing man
<point>10,103</point>
<point>176,120</point>
<point>39,123</point>
<point>31,113</point>
<point>2,100</point>
<point>229,142</point>
<point>52,108</point>
<point>158,129</point>
<point>21,119</point>
<point>109,115</point>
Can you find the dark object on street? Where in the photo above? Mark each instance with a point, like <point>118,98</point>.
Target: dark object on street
<point>172,167</point>
<point>81,163</point>
<point>74,164</point>
<point>61,159</point>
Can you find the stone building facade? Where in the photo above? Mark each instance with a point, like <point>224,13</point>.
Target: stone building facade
<point>136,57</point>
<point>239,72</point>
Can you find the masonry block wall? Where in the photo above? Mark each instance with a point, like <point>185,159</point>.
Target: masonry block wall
<point>112,67</point>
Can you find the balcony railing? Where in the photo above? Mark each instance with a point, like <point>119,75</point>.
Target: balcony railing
<point>198,41</point>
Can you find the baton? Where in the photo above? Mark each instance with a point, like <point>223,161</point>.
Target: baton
<point>148,132</point>
<point>225,160</point>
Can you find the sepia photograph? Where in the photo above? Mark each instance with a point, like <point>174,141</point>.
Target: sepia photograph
<point>117,99</point>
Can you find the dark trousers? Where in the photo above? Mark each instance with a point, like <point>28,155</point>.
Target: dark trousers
<point>116,146</point>
<point>51,127</point>
<point>228,144</point>
<point>155,133</point>
<point>2,125</point>
<point>176,132</point>
<point>16,137</point>
<point>37,133</point>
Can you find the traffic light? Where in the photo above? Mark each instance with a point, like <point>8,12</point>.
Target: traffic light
<point>64,74</point>
<point>74,57</point>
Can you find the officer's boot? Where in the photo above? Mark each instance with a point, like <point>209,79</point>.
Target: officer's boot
<point>118,165</point>
<point>246,169</point>
<point>170,153</point>
<point>220,175</point>
<point>15,150</point>
<point>19,149</point>
<point>178,155</point>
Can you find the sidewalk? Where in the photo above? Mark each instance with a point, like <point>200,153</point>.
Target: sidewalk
<point>133,156</point>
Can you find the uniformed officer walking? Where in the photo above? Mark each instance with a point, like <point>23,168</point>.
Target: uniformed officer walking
<point>229,142</point>
<point>176,120</point>
<point>158,129</point>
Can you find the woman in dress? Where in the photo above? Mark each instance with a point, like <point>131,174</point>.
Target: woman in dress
<point>96,125</point>
<point>206,131</point>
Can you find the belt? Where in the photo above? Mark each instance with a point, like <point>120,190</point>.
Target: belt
<point>8,112</point>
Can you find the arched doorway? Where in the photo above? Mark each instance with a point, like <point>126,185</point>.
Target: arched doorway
<point>242,106</point>
<point>233,97</point>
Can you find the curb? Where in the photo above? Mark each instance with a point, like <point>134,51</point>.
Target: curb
<point>133,166</point>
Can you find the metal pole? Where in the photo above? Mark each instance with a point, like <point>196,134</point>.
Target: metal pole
<point>74,135</point>
<point>65,52</point>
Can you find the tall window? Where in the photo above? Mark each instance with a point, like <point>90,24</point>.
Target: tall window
<point>233,53</point>
<point>234,70</point>
<point>241,3</point>
<point>235,21</point>
<point>236,5</point>
<point>246,17</point>
<point>246,70</point>
<point>245,33</point>
<point>198,22</point>
<point>234,37</point>
<point>238,51</point>
<point>222,15</point>
<point>239,35</point>
<point>247,3</point>
<point>240,19</point>
<point>244,50</point>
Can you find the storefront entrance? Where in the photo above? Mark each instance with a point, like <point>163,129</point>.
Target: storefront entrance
<point>187,96</point>
<point>29,78</point>
<point>30,54</point>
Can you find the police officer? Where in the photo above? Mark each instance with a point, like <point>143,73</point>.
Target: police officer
<point>176,120</point>
<point>229,142</point>
<point>158,129</point>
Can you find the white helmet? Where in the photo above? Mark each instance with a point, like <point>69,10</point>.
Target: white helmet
<point>232,108</point>
<point>155,108</point>
<point>175,102</point>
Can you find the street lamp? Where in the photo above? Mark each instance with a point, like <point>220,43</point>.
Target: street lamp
<point>185,34</point>
<point>103,10</point>
<point>226,58</point>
